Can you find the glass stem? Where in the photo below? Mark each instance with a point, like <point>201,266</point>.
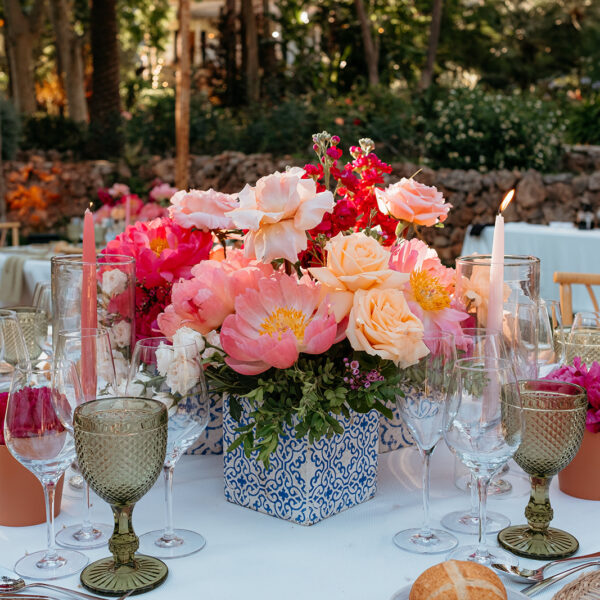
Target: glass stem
<point>168,533</point>
<point>425,528</point>
<point>87,527</point>
<point>474,498</point>
<point>49,493</point>
<point>482,487</point>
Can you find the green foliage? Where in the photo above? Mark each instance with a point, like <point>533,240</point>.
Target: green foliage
<point>53,132</point>
<point>584,121</point>
<point>305,396</point>
<point>10,127</point>
<point>473,129</point>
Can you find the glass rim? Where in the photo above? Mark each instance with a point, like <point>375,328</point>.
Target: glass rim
<point>554,382</point>
<point>147,342</point>
<point>115,260</point>
<point>7,313</point>
<point>479,364</point>
<point>516,260</point>
<point>79,332</point>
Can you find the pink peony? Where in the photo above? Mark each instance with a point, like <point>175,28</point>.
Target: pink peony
<point>413,202</point>
<point>118,190</point>
<point>163,251</point>
<point>202,209</point>
<point>203,302</point>
<point>589,380</point>
<point>152,211</point>
<point>161,191</point>
<point>278,212</point>
<point>273,324</point>
<point>102,213</point>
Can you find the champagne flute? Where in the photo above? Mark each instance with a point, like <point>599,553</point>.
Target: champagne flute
<point>35,436</point>
<point>483,428</point>
<point>69,348</point>
<point>421,399</point>
<point>172,373</point>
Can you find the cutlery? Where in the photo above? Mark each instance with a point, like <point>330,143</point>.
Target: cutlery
<point>542,585</point>
<point>533,575</point>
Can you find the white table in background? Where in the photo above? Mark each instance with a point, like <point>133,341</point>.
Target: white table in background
<point>36,269</point>
<point>349,556</point>
<point>558,248</point>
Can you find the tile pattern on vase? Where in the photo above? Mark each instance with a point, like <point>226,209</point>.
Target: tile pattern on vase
<point>393,433</point>
<point>305,484</point>
<point>211,440</point>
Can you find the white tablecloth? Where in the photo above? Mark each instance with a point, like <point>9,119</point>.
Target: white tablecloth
<point>35,270</point>
<point>349,556</point>
<point>558,248</point>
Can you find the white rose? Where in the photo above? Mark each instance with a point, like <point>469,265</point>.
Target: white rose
<point>121,366</point>
<point>183,374</point>
<point>167,400</point>
<point>114,282</point>
<point>214,339</point>
<point>164,357</point>
<point>185,335</point>
<point>120,334</point>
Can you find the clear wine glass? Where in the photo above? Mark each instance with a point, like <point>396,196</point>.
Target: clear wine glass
<point>548,351</point>
<point>173,374</point>
<point>421,399</point>
<point>70,347</point>
<point>480,343</point>
<point>35,436</point>
<point>43,304</point>
<point>14,348</point>
<point>483,428</point>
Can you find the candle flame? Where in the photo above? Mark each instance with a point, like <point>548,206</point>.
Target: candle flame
<point>507,200</point>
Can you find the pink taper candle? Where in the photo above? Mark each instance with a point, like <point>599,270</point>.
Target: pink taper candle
<point>89,310</point>
<point>496,297</point>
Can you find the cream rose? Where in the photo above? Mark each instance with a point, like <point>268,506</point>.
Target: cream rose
<point>120,334</point>
<point>164,356</point>
<point>381,324</point>
<point>202,209</point>
<point>355,262</point>
<point>182,374</point>
<point>114,282</point>
<point>185,336</point>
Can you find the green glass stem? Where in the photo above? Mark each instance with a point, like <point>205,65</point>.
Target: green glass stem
<point>123,542</point>
<point>538,511</point>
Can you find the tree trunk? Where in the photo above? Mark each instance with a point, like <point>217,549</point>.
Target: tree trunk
<point>105,103</point>
<point>22,32</point>
<point>371,53</point>
<point>68,48</point>
<point>2,182</point>
<point>434,38</point>
<point>182,98</point>
<point>230,44</point>
<point>251,52</point>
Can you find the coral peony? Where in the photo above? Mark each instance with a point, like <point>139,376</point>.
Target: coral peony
<point>202,209</point>
<point>278,212</point>
<point>413,202</point>
<point>273,324</point>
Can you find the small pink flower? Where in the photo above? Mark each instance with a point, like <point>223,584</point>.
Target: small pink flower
<point>152,211</point>
<point>118,190</point>
<point>202,209</point>
<point>162,191</point>
<point>413,202</point>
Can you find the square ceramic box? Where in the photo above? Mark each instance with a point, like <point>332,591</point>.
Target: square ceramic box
<point>393,433</point>
<point>305,483</point>
<point>211,440</point>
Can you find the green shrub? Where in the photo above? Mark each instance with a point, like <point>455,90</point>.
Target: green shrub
<point>474,129</point>
<point>50,132</point>
<point>9,122</point>
<point>584,121</point>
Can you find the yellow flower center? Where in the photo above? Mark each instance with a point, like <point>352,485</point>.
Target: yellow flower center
<point>428,291</point>
<point>285,319</point>
<point>157,245</point>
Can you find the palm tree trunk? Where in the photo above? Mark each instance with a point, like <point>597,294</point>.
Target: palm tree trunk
<point>251,52</point>
<point>371,53</point>
<point>434,38</point>
<point>182,98</point>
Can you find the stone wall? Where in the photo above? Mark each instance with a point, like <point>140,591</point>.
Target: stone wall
<point>475,196</point>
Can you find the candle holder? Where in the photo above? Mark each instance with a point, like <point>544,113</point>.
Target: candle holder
<point>115,276</point>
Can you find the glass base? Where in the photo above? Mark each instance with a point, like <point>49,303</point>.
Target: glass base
<point>34,566</point>
<point>463,522</point>
<point>183,543</point>
<point>101,576</point>
<point>75,537</point>
<point>522,540</point>
<point>7,580</point>
<point>436,541</point>
<point>491,555</point>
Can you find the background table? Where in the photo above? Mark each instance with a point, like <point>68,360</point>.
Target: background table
<point>36,269</point>
<point>349,556</point>
<point>558,248</point>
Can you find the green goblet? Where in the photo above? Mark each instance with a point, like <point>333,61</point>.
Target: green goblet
<point>554,420</point>
<point>121,445</point>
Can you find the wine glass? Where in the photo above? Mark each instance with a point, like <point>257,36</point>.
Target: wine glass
<point>584,338</point>
<point>42,300</point>
<point>421,399</point>
<point>69,349</point>
<point>483,428</point>
<point>548,351</point>
<point>479,344</point>
<point>121,444</point>
<point>35,436</point>
<point>172,373</point>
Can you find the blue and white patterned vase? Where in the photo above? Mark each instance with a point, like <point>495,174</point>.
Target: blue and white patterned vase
<point>305,483</point>
<point>211,440</point>
<point>393,433</point>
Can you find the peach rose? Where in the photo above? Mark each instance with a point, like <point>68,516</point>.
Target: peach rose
<point>413,202</point>
<point>202,209</point>
<point>381,324</point>
<point>355,262</point>
<point>278,212</point>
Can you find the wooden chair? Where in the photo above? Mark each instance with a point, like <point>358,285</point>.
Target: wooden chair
<point>565,281</point>
<point>14,226</point>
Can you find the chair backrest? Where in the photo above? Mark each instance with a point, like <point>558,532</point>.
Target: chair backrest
<point>565,281</point>
<point>13,226</point>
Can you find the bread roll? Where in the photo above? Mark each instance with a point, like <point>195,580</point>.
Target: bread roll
<point>458,580</point>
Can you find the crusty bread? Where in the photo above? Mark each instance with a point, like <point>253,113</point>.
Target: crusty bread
<point>458,580</point>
